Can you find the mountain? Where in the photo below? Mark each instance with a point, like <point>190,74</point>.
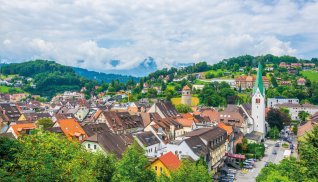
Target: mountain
<point>98,76</point>
<point>147,66</point>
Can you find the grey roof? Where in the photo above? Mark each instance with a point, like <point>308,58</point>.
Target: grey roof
<point>197,146</point>
<point>256,136</point>
<point>92,129</point>
<point>167,108</point>
<point>147,138</point>
<point>112,143</point>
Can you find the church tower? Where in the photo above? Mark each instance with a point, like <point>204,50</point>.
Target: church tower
<point>186,96</point>
<point>258,103</point>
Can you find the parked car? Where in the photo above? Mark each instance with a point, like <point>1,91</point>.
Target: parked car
<point>266,164</point>
<point>277,144</point>
<point>274,152</point>
<point>248,167</point>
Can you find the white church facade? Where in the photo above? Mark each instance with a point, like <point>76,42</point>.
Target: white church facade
<point>256,131</point>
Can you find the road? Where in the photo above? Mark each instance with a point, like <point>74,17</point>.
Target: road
<point>269,157</point>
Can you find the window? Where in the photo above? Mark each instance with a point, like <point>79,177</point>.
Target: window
<point>161,169</point>
<point>258,101</point>
<point>88,145</point>
<point>95,147</point>
<point>156,168</point>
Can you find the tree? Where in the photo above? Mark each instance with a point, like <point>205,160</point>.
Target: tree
<point>152,93</point>
<point>44,123</point>
<point>105,167</point>
<point>46,156</point>
<point>302,115</point>
<point>278,118</point>
<point>133,166</point>
<point>182,108</point>
<point>189,172</point>
<point>273,133</point>
<point>273,81</point>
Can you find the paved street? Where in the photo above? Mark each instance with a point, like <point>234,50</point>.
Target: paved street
<point>269,157</point>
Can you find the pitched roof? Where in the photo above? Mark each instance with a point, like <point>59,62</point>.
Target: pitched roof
<point>71,128</point>
<point>112,143</point>
<point>147,138</point>
<point>228,128</point>
<point>186,87</point>
<point>166,108</point>
<point>17,128</point>
<point>185,122</point>
<point>170,160</point>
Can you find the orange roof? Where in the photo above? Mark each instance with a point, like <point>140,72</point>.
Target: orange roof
<point>228,128</point>
<point>170,160</point>
<point>187,115</point>
<point>17,128</point>
<point>185,121</point>
<point>186,87</point>
<point>71,127</point>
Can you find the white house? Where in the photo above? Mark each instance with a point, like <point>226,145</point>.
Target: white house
<point>272,102</point>
<point>294,109</point>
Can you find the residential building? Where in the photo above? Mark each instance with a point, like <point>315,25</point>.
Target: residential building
<point>71,129</point>
<point>272,102</point>
<point>150,143</point>
<point>164,109</point>
<point>230,137</point>
<point>21,129</point>
<point>294,109</point>
<point>165,164</point>
<point>247,82</point>
<point>197,87</point>
<point>9,112</point>
<point>301,82</point>
<point>108,142</point>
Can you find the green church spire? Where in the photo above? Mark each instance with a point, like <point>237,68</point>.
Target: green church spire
<point>259,81</point>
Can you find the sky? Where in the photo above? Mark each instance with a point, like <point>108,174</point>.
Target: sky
<point>93,33</point>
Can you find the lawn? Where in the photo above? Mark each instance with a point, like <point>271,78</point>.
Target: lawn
<point>311,75</point>
<point>176,101</point>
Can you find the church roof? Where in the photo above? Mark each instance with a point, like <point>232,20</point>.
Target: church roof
<point>259,82</point>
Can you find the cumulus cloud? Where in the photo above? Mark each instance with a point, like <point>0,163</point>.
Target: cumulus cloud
<point>92,34</point>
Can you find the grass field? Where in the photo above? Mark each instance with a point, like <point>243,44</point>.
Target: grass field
<point>6,90</point>
<point>311,75</point>
<point>176,101</point>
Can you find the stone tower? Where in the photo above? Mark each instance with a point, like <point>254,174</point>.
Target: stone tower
<point>258,103</point>
<point>186,96</point>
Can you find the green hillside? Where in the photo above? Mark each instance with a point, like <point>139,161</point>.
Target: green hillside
<point>49,77</point>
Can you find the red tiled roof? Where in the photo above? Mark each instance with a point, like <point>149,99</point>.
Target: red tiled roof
<point>17,128</point>
<point>170,160</point>
<point>71,127</point>
<point>186,87</point>
<point>228,128</point>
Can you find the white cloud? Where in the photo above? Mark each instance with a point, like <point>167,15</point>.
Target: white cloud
<point>169,31</point>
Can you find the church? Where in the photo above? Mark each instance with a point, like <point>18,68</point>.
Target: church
<point>256,124</point>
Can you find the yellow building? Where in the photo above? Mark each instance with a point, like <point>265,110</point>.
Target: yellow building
<point>165,163</point>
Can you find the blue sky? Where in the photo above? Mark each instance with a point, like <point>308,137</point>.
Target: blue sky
<point>90,34</point>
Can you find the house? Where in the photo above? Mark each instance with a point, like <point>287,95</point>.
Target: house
<point>21,129</point>
<point>247,82</point>
<point>147,118</point>
<point>210,113</point>
<point>197,87</point>
<point>150,143</point>
<point>9,112</point>
<point>272,102</point>
<point>33,116</point>
<point>304,128</point>
<point>120,122</point>
<point>164,109</point>
<point>18,97</point>
<point>294,109</point>
<point>301,82</point>
<point>230,137</point>
<point>165,129</point>
<point>165,164</point>
<point>285,83</point>
<point>81,113</point>
<point>71,129</point>
<point>108,142</point>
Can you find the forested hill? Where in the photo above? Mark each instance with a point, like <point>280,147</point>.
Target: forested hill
<point>231,64</point>
<point>98,76</point>
<point>48,77</point>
